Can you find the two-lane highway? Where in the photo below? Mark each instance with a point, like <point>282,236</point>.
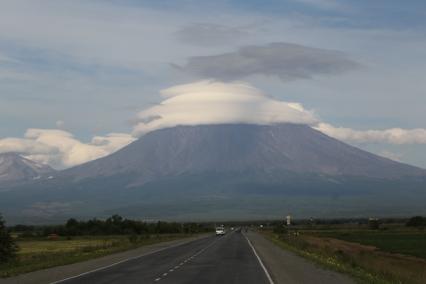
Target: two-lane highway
<point>227,259</point>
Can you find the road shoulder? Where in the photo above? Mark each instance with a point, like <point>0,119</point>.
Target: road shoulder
<point>287,267</point>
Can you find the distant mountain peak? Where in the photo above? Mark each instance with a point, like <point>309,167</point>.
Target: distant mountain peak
<point>15,168</point>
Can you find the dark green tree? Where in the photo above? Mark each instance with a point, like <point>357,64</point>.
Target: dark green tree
<point>72,227</point>
<point>8,247</point>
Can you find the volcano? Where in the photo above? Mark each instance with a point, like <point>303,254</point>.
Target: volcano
<point>260,149</point>
<point>230,171</point>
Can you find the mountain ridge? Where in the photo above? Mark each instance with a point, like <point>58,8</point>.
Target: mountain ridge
<point>14,168</point>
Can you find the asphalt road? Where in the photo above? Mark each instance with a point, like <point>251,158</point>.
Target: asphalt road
<point>227,259</point>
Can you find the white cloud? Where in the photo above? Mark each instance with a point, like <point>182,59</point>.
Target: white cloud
<point>212,102</point>
<point>390,136</point>
<point>60,149</point>
<point>200,103</point>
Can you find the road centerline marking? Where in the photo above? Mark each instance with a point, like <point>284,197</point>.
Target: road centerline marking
<point>185,261</point>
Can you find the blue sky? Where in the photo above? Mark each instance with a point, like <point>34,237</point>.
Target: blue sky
<point>88,67</point>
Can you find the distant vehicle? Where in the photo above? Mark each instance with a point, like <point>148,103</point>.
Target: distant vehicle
<point>220,231</point>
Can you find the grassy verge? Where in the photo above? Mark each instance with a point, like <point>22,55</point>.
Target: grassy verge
<point>366,264</point>
<point>39,254</point>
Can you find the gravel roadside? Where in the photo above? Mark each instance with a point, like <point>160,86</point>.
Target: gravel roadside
<point>287,267</point>
<point>61,272</point>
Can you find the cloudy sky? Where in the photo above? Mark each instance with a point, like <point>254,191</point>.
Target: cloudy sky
<point>80,79</point>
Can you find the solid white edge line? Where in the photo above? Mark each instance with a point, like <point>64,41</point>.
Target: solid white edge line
<point>121,261</point>
<point>260,261</point>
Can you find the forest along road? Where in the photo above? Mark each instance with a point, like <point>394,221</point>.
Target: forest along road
<point>227,259</point>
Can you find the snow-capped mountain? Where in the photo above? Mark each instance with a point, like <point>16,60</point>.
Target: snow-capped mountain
<point>14,168</point>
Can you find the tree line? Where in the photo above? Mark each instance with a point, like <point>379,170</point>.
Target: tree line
<point>416,221</point>
<point>114,225</point>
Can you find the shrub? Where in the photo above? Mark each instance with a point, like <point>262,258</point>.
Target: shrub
<point>373,224</point>
<point>280,228</point>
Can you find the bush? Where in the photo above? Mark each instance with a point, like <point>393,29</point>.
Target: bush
<point>280,228</point>
<point>8,247</point>
<point>373,224</point>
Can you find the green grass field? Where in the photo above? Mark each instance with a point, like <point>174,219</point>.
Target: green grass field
<point>35,254</point>
<point>408,242</point>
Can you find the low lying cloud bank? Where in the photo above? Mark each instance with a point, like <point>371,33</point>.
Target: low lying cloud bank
<point>60,149</point>
<point>199,103</point>
<point>390,136</point>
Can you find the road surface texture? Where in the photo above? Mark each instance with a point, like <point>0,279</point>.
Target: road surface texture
<point>227,259</point>
<point>287,267</point>
<point>233,258</point>
<point>61,272</point>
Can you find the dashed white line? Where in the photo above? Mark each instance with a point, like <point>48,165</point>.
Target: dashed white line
<point>119,262</point>
<point>188,259</point>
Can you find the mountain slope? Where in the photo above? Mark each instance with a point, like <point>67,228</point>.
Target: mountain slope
<point>14,168</point>
<point>225,172</point>
<point>241,148</point>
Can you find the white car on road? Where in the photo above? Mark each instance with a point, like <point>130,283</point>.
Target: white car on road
<point>220,231</point>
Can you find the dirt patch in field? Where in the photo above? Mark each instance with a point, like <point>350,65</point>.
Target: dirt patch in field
<point>339,245</point>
